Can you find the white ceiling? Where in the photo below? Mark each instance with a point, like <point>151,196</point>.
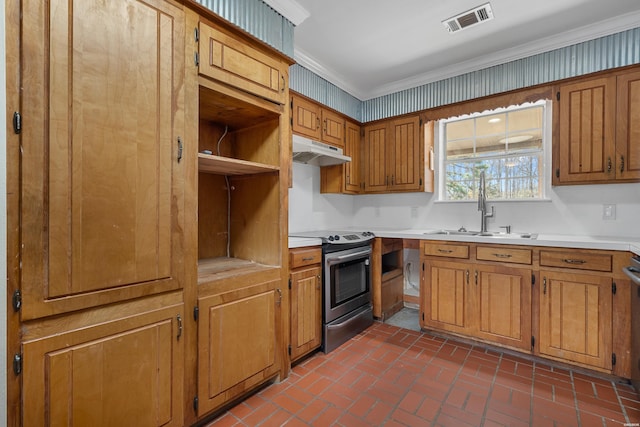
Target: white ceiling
<point>371,48</point>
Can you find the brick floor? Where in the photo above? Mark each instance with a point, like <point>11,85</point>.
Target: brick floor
<point>388,376</point>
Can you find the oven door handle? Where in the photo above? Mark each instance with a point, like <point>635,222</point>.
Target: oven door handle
<point>633,273</point>
<point>348,257</point>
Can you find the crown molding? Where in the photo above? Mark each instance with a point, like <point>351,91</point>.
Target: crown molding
<point>306,61</point>
<point>290,9</point>
<point>568,38</point>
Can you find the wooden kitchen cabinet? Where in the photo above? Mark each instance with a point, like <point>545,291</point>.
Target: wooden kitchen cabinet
<point>394,156</point>
<point>230,60</point>
<point>598,119</point>
<point>237,336</point>
<point>486,300</point>
<point>102,190</point>
<point>317,122</point>
<point>504,305</point>
<point>446,296</point>
<point>108,367</point>
<point>345,178</point>
<point>306,301</point>
<point>575,318</point>
<point>387,277</point>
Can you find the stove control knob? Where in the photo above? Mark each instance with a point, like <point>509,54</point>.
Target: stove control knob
<point>331,238</point>
<point>337,237</point>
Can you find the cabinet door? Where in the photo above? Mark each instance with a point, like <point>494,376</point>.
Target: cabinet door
<point>628,127</point>
<point>445,299</point>
<point>375,157</point>
<point>575,318</point>
<point>504,314</point>
<point>306,311</point>
<point>116,373</point>
<point>406,155</point>
<point>102,187</point>
<point>587,131</point>
<point>352,149</point>
<point>236,343</point>
<point>306,118</point>
<point>237,63</point>
<point>332,128</point>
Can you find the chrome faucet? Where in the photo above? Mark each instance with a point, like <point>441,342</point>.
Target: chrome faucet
<point>482,204</point>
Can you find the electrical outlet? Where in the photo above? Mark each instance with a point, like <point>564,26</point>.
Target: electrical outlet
<point>608,212</point>
<point>414,212</point>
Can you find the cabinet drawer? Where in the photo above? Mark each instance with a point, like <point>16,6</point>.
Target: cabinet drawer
<point>579,260</point>
<point>306,256</point>
<point>391,245</point>
<point>446,250</point>
<point>510,255</point>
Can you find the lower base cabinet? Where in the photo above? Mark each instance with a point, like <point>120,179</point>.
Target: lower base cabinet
<point>107,373</point>
<point>305,301</point>
<point>237,342</point>
<point>576,318</point>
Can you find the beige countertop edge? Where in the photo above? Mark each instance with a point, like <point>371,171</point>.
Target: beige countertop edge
<point>549,240</point>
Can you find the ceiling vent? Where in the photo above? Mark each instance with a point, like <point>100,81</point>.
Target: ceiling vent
<point>469,18</point>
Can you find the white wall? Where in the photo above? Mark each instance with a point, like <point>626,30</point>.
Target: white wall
<point>309,210</point>
<point>575,210</point>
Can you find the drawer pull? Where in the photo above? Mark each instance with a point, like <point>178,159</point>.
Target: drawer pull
<point>502,255</point>
<point>445,251</point>
<point>574,261</point>
<point>309,258</point>
<point>467,277</point>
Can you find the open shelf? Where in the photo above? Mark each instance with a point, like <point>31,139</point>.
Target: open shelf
<point>213,269</point>
<point>229,166</point>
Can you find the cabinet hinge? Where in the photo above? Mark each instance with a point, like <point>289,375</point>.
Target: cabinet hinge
<point>196,313</point>
<point>533,342</point>
<point>17,363</point>
<point>289,349</point>
<point>196,59</point>
<point>291,120</point>
<point>420,121</point>
<point>558,173</point>
<point>558,95</point>
<point>179,149</point>
<point>289,283</point>
<point>420,181</point>
<point>196,34</point>
<point>17,300</point>
<point>17,122</point>
<point>614,288</point>
<point>423,266</point>
<point>423,316</point>
<point>195,404</point>
<point>533,279</point>
<point>613,359</point>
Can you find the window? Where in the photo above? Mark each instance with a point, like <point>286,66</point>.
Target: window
<point>508,144</point>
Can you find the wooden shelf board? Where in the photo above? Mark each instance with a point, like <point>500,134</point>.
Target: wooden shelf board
<point>213,269</point>
<point>228,166</point>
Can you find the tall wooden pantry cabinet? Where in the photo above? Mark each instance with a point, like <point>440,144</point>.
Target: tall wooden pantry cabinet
<point>146,275</point>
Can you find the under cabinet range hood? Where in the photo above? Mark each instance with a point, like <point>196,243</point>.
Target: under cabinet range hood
<point>316,153</point>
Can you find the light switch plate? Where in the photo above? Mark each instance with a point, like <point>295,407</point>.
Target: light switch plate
<point>608,212</point>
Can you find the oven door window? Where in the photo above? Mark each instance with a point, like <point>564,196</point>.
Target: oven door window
<point>350,279</point>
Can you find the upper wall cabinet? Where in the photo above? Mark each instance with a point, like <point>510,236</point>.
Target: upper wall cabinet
<point>225,58</point>
<point>394,156</point>
<point>599,130</point>
<point>345,178</point>
<point>320,124</point>
<point>102,185</point>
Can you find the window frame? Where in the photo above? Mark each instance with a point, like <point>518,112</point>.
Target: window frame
<point>546,168</point>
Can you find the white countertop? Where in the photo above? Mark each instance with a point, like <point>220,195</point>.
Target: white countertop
<point>553,240</point>
<point>300,242</point>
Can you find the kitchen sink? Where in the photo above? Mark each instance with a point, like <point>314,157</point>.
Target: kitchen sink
<point>499,235</point>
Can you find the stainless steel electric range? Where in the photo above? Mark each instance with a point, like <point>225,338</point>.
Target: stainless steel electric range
<point>346,272</point>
